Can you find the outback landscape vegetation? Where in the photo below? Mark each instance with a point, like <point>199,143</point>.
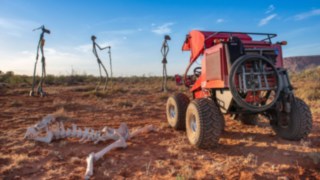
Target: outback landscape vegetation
<point>244,152</point>
<point>246,58</point>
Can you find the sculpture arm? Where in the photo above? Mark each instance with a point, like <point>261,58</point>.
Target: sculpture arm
<point>103,48</point>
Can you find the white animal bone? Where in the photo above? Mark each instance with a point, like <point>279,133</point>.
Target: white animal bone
<point>89,170</point>
<point>32,132</point>
<point>46,139</point>
<point>145,129</point>
<point>96,156</point>
<point>58,131</point>
<point>123,129</point>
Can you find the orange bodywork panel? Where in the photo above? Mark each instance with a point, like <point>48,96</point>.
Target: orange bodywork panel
<point>196,41</point>
<point>216,62</point>
<point>214,71</point>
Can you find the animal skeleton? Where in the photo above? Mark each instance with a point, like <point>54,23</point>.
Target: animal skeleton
<point>58,131</point>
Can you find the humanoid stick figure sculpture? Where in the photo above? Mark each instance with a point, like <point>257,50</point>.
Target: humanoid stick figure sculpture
<point>94,50</point>
<point>43,62</point>
<point>164,51</point>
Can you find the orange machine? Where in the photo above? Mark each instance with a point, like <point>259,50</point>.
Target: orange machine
<point>241,74</point>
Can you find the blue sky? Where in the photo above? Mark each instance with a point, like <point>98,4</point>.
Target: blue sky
<point>135,30</point>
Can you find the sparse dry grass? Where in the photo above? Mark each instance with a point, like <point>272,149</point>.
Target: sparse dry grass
<point>15,161</point>
<point>307,87</point>
<point>186,172</point>
<point>138,101</point>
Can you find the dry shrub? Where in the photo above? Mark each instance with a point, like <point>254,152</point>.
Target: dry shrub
<point>309,91</point>
<point>186,172</point>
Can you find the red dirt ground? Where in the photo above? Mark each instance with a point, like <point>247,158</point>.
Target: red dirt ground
<point>245,152</point>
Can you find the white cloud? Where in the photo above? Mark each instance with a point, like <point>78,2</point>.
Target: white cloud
<point>17,24</point>
<point>15,27</point>
<point>87,48</point>
<point>306,15</point>
<point>220,20</point>
<point>270,9</point>
<point>163,29</point>
<point>266,20</point>
<point>84,48</point>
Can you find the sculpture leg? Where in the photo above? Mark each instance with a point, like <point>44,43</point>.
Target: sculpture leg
<point>34,78</point>
<point>111,75</point>
<point>97,87</point>
<point>43,74</point>
<point>162,83</point>
<point>107,77</point>
<point>165,79</point>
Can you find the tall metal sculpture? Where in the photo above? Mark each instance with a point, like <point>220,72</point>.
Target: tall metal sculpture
<point>43,62</point>
<point>164,52</point>
<point>94,50</point>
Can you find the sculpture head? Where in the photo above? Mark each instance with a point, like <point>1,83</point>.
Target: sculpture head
<point>93,37</point>
<point>167,37</point>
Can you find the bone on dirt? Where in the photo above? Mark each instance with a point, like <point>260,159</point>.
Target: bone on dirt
<point>56,130</point>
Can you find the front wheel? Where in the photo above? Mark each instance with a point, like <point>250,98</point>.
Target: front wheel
<point>204,123</point>
<point>295,125</point>
<point>176,110</point>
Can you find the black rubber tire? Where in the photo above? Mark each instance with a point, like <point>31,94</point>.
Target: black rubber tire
<point>301,122</point>
<point>233,89</point>
<point>248,119</point>
<point>176,119</point>
<point>204,123</point>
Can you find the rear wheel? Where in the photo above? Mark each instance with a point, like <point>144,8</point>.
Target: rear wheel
<point>176,110</point>
<point>204,123</point>
<point>295,125</point>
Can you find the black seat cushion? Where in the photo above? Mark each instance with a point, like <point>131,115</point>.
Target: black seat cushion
<point>236,48</point>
